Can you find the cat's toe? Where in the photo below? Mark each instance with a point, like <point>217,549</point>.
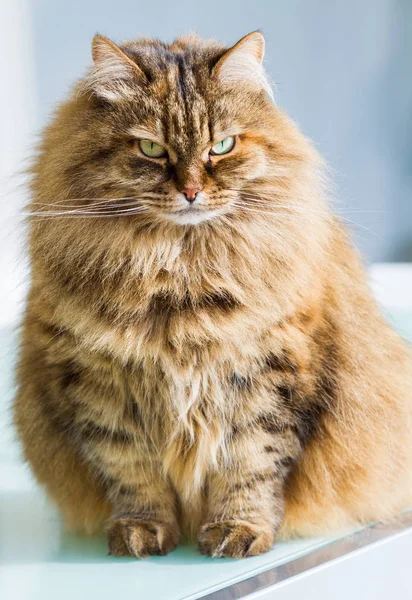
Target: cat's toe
<point>141,538</point>
<point>235,539</point>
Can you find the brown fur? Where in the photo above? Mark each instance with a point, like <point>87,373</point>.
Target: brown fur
<point>232,379</point>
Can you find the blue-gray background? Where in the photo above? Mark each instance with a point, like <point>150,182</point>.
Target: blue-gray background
<point>342,68</point>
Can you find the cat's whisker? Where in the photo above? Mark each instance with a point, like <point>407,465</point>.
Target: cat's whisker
<point>311,212</point>
<point>285,209</point>
<point>356,224</point>
<point>82,209</point>
<point>274,203</point>
<point>297,207</point>
<point>305,208</point>
<point>257,199</point>
<point>108,216</point>
<point>101,202</point>
<point>50,213</point>
<point>264,197</point>
<point>106,206</point>
<point>82,213</point>
<point>258,210</point>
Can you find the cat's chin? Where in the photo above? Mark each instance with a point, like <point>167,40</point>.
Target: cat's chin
<point>192,217</point>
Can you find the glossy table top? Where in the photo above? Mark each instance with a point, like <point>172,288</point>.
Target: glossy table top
<point>39,561</point>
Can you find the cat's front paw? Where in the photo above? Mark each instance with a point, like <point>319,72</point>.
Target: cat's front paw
<point>140,538</point>
<point>235,539</point>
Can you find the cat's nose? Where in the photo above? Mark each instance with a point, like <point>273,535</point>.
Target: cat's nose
<point>190,193</point>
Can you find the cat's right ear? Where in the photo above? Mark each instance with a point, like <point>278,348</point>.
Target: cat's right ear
<point>115,75</point>
<point>242,64</point>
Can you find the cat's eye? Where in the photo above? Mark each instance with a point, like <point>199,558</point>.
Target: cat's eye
<point>152,149</point>
<point>223,147</point>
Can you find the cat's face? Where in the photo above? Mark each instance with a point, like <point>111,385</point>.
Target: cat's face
<point>186,129</point>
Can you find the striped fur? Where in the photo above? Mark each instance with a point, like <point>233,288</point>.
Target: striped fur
<point>231,380</point>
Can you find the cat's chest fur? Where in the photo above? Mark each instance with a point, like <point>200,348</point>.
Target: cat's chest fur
<point>180,342</point>
<point>186,407</point>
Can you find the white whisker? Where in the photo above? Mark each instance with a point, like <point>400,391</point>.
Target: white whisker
<point>86,200</point>
<point>82,213</point>
<point>273,213</point>
<point>300,209</point>
<point>273,197</point>
<point>91,207</point>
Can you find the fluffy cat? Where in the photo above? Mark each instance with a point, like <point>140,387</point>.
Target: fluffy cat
<point>200,351</point>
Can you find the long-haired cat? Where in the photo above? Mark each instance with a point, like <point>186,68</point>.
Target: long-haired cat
<point>201,354</point>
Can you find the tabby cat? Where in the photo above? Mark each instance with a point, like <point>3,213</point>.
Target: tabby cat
<point>201,355</point>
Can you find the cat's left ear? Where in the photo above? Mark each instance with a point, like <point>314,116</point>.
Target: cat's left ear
<point>114,75</point>
<point>242,63</point>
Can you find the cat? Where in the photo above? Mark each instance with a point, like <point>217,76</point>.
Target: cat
<point>201,356</point>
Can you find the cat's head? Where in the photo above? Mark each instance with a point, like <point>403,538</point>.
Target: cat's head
<point>176,135</point>
<point>187,132</point>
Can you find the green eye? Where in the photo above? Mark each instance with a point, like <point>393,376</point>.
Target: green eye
<point>224,146</point>
<point>152,149</point>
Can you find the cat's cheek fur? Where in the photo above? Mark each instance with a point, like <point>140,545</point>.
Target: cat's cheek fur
<point>248,164</point>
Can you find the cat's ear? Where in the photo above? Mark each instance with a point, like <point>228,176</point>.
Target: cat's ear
<point>114,75</point>
<point>242,63</point>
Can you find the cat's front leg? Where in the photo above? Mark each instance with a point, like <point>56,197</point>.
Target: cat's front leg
<point>245,501</point>
<point>144,520</point>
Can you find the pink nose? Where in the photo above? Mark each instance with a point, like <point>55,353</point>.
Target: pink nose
<point>190,193</point>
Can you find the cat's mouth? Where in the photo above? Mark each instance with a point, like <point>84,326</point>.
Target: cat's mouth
<point>193,214</point>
